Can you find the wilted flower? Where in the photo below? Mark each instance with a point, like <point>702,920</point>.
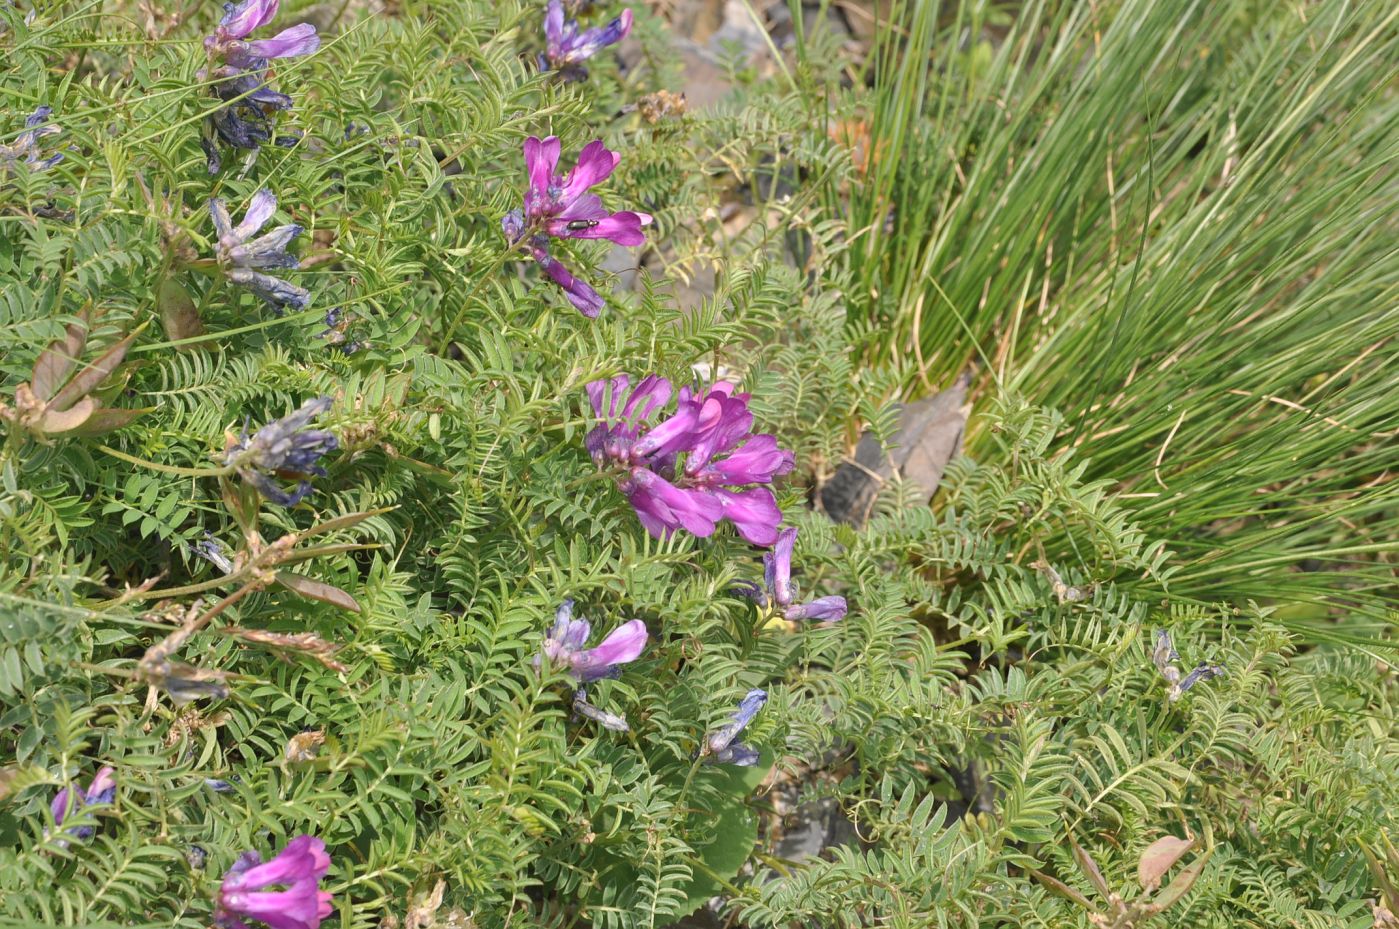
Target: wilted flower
<point>25,147</point>
<point>561,207</point>
<point>285,447</point>
<point>102,789</point>
<point>607,720</point>
<point>212,551</point>
<point>567,47</point>
<point>298,869</point>
<point>564,646</point>
<point>712,430</point>
<point>778,596</point>
<point>719,745</point>
<point>1164,656</point>
<point>243,255</point>
<point>245,119</point>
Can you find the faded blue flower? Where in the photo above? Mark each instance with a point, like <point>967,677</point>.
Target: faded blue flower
<point>720,746</point>
<point>286,447</point>
<point>245,254</point>
<point>25,147</point>
<point>607,720</point>
<point>1164,656</point>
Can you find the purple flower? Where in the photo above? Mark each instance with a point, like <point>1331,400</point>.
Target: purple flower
<point>25,147</point>
<point>298,869</point>
<point>241,20</point>
<point>779,593</point>
<point>567,47</point>
<point>284,447</point>
<point>246,256</point>
<point>561,207</point>
<point>240,71</point>
<point>564,646</point>
<point>102,789</point>
<point>719,745</point>
<point>712,431</point>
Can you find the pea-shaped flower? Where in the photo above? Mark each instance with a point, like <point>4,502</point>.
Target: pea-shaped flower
<point>101,789</point>
<point>298,870</point>
<point>286,447</point>
<point>720,746</point>
<point>564,646</point>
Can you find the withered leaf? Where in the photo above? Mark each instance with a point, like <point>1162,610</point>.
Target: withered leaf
<point>317,590</point>
<point>55,421</point>
<point>1158,859</point>
<point>86,380</point>
<point>929,436</point>
<point>57,360</point>
<point>108,419</point>
<point>1182,883</point>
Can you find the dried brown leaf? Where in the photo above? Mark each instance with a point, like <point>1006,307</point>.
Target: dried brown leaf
<point>87,380</point>
<point>1159,857</point>
<point>317,590</point>
<point>55,362</point>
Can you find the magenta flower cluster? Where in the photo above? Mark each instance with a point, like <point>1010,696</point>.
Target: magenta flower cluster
<point>300,904</point>
<point>561,207</point>
<point>698,466</point>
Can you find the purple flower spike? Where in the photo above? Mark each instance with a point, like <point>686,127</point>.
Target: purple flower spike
<point>102,789</point>
<point>298,869</point>
<point>561,207</point>
<point>712,430</point>
<point>284,447</point>
<point>720,746</point>
<point>564,646</point>
<point>245,257</point>
<point>566,47</point>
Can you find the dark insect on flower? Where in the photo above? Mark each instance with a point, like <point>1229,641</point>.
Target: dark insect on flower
<point>720,746</point>
<point>1164,656</point>
<point>607,720</point>
<point>298,869</point>
<point>25,147</point>
<point>102,789</point>
<point>284,448</point>
<point>244,254</point>
<point>562,208</point>
<point>567,46</point>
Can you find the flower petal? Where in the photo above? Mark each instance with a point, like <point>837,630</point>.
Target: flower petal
<point>753,512</point>
<point>778,563</point>
<point>260,209</point>
<point>300,39</point>
<point>244,17</point>
<point>541,161</point>
<point>595,164</point>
